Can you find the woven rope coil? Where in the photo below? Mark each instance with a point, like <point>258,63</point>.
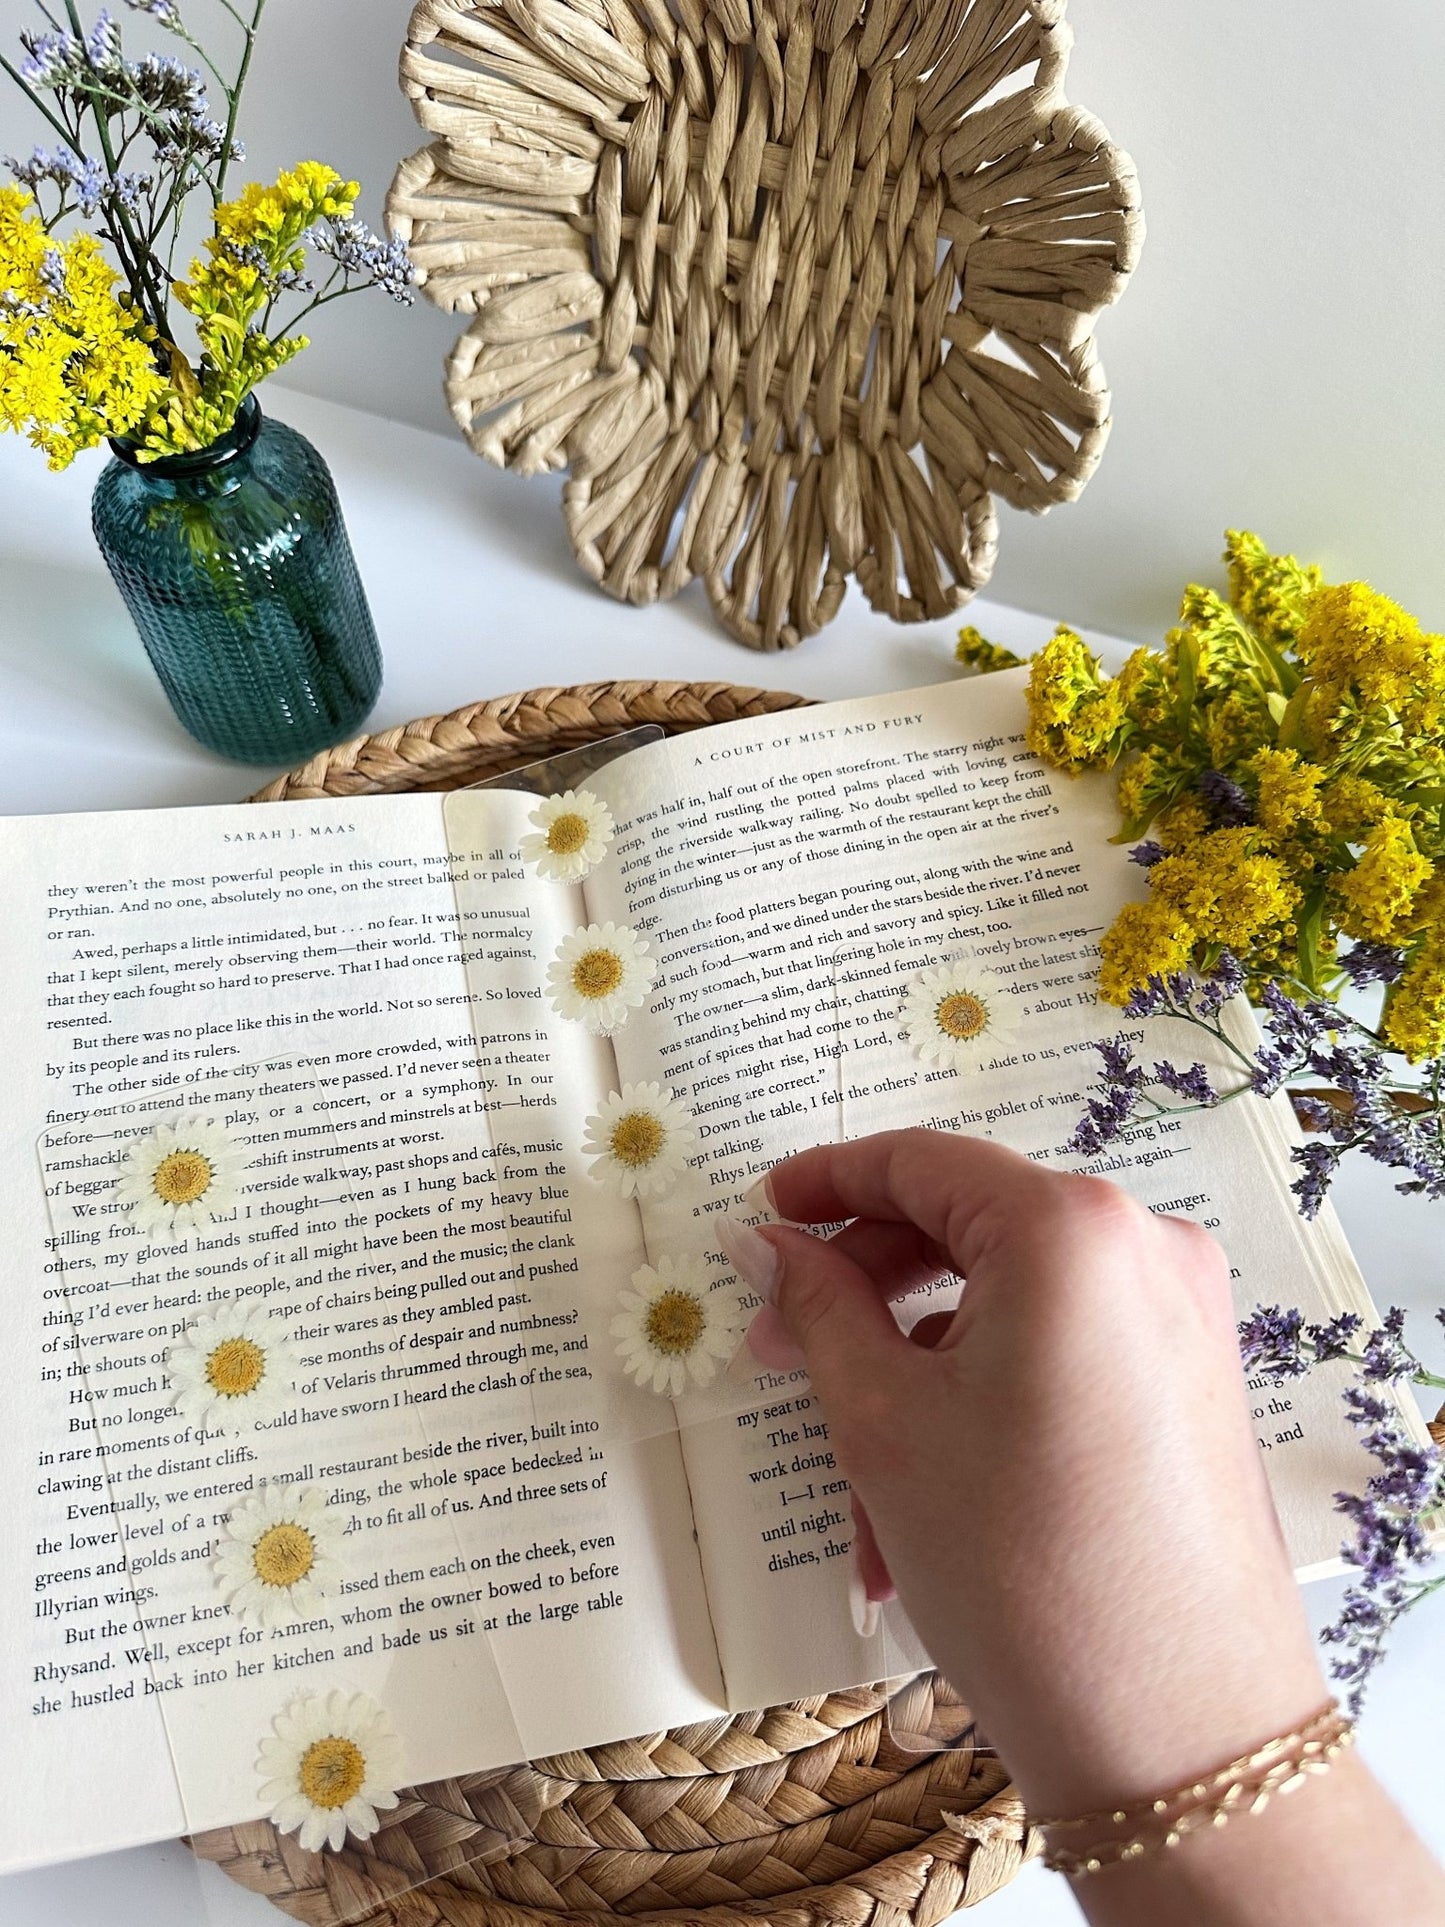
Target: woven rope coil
<point>801,1814</point>
<point>852,1809</point>
<point>791,290</point>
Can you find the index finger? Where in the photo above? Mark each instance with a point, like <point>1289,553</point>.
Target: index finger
<point>945,1185</point>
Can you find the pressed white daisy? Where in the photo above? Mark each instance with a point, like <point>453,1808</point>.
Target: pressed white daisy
<point>639,1140</point>
<point>573,832</point>
<point>331,1763</point>
<point>599,974</point>
<point>182,1173</point>
<point>277,1554</point>
<point>233,1364</point>
<point>673,1327</point>
<point>957,1014</point>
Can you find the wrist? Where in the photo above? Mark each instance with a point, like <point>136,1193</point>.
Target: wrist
<point>1335,1852</point>
<point>1103,1747</point>
<point>1087,1843</point>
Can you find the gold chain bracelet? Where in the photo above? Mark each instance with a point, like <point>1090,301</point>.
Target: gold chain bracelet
<point>1245,1785</point>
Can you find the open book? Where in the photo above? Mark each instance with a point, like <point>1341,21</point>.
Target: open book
<point>538,1556</point>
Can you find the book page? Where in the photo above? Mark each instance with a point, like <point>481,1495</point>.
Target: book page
<point>413,1215</point>
<point>795,873</point>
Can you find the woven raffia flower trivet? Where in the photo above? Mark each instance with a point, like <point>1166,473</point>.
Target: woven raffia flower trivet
<point>792,288</point>
<point>854,1810</point>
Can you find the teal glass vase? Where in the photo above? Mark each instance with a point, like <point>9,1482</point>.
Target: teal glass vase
<point>235,565</point>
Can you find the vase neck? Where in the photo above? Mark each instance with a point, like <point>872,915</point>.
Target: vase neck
<point>226,452</point>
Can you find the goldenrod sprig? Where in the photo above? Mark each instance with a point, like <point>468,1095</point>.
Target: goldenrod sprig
<point>1284,752</point>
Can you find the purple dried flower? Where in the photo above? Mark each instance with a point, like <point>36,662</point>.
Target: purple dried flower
<point>1192,1084</point>
<point>52,271</point>
<point>1270,1071</point>
<point>1225,981</point>
<point>1118,1056</point>
<point>166,86</point>
<point>127,191</point>
<point>1226,802</point>
<point>1390,1538</point>
<point>357,251</point>
<point>84,179</point>
<point>1148,999</point>
<point>1331,1341</point>
<point>1270,1341</point>
<point>1387,1357</point>
<point>1317,1163</point>
<point>163,10</point>
<point>102,44</point>
<point>51,59</point>
<point>1372,963</point>
<point>1146,855</point>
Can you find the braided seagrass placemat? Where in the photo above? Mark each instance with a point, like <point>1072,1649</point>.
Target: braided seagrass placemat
<point>870,1807</point>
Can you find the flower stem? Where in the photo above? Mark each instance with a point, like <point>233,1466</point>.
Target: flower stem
<point>233,100</point>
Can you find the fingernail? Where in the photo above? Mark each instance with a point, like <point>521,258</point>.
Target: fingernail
<point>759,1196</point>
<point>752,1257</point>
<point>867,1613</point>
<point>767,1341</point>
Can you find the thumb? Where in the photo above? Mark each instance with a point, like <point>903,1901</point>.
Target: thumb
<point>832,1310</point>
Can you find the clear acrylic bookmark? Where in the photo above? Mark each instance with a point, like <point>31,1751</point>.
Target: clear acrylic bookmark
<point>623,1299</point>
<point>893,1075</point>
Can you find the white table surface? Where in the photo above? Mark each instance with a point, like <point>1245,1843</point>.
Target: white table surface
<point>475,593</point>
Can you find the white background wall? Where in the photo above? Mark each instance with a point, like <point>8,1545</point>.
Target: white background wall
<point>1276,362</point>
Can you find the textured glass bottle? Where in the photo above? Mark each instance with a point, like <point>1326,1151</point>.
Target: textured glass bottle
<point>235,564</point>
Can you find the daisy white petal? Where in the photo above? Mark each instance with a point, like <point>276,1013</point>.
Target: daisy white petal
<point>573,833</point>
<point>674,1325</point>
<point>599,975</point>
<point>958,1014</point>
<point>180,1175</point>
<point>331,1764</point>
<point>639,1140</point>
<point>232,1365</point>
<point>278,1559</point>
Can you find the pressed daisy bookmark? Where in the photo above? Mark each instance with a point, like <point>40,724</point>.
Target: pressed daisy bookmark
<point>640,1140</point>
<point>181,1174</point>
<point>600,975</point>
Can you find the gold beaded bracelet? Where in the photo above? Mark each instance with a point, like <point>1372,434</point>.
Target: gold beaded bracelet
<point>1245,1785</point>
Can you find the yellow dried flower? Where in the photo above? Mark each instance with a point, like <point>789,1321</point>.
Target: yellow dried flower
<point>1075,714</point>
<point>1235,725</point>
<point>1287,791</point>
<point>1143,691</point>
<point>976,652</point>
<point>1414,1017</point>
<point>1352,804</point>
<point>75,360</point>
<point>1226,889</point>
<point>1378,894</point>
<point>1182,822</point>
<point>256,243</point>
<point>1271,592</point>
<point>1145,940</point>
<point>1363,650</point>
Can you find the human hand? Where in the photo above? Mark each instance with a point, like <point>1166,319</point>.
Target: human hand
<point>1062,1476</point>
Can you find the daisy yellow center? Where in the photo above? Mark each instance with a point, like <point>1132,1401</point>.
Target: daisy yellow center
<point>636,1139</point>
<point>181,1177</point>
<point>566,834</point>
<point>332,1771</point>
<point>236,1367</point>
<point>283,1554</point>
<point>962,1015</point>
<point>674,1323</point>
<point>597,973</point>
